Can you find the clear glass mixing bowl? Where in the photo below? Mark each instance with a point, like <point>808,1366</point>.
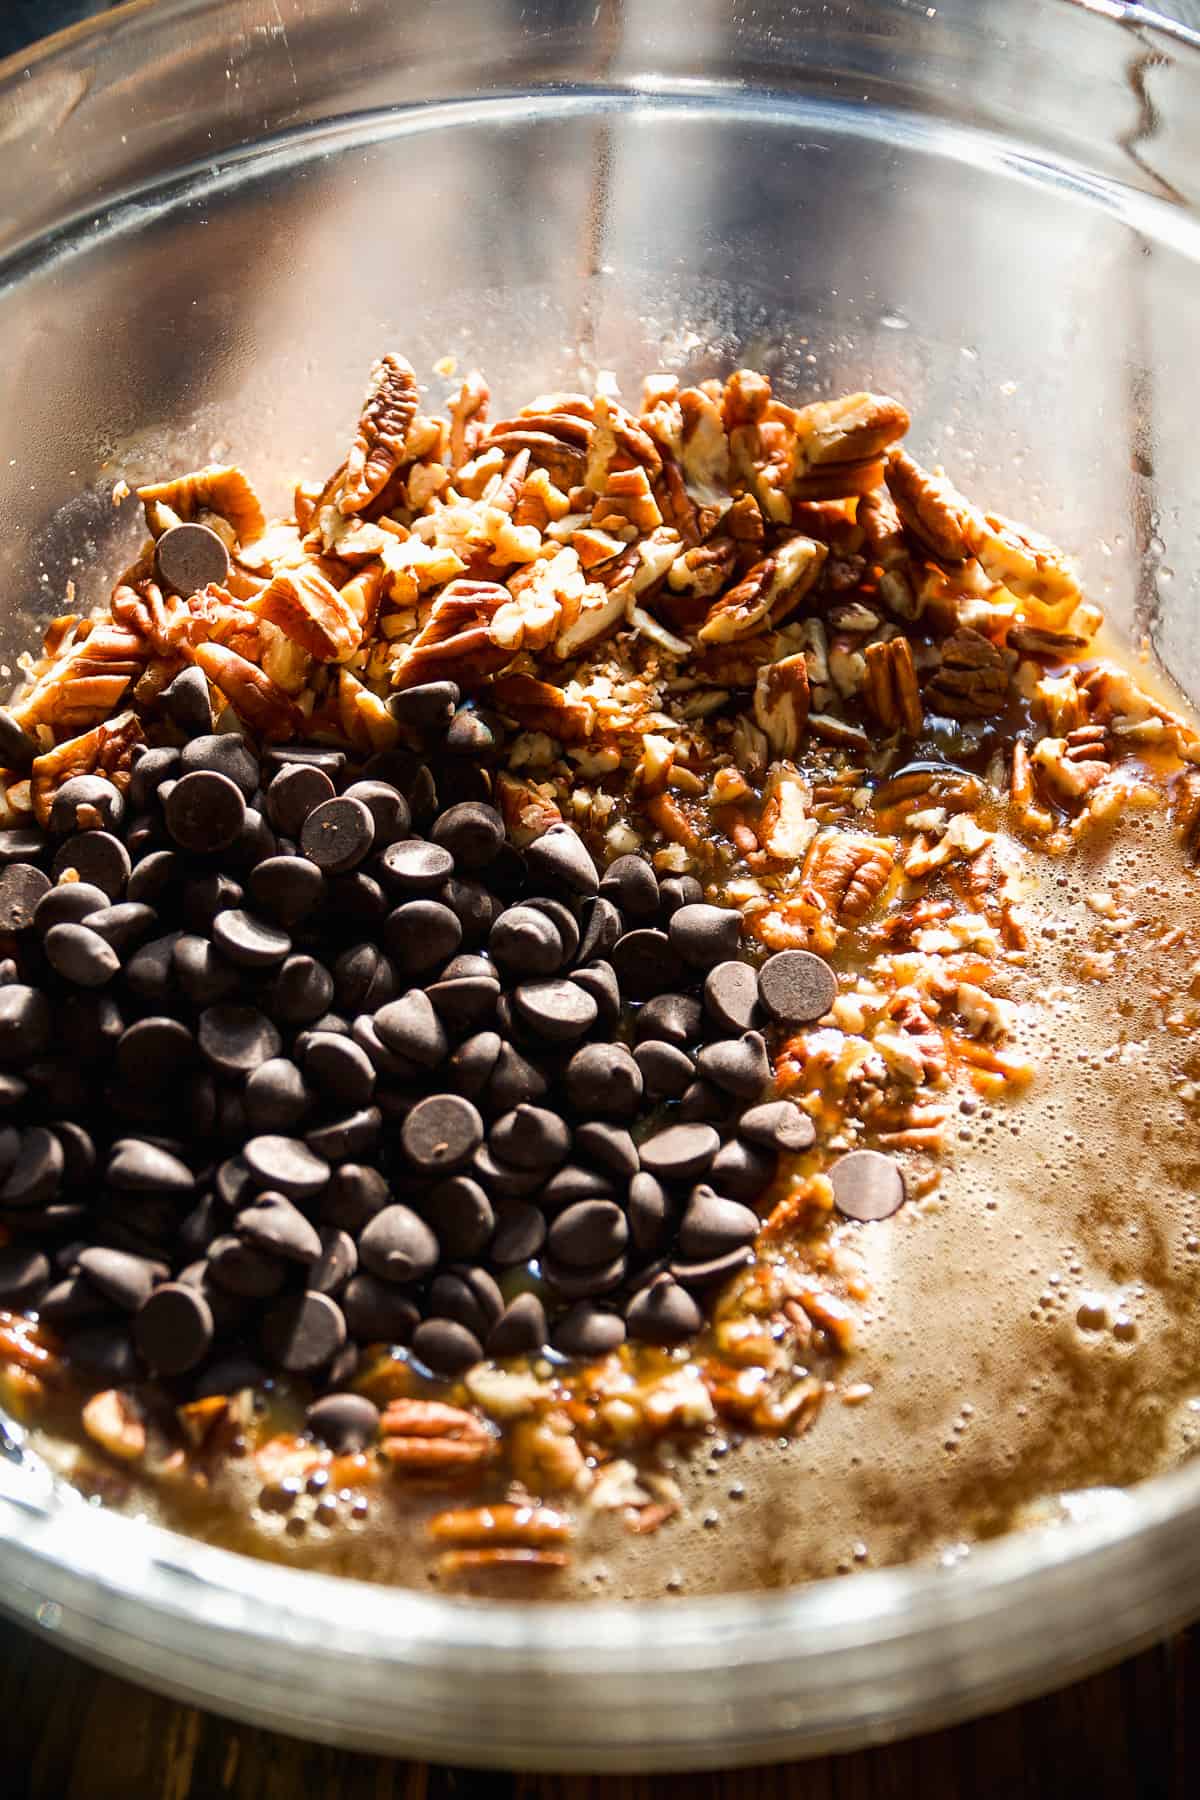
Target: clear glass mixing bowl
<point>213,215</point>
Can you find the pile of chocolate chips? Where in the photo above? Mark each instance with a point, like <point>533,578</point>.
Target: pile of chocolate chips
<point>297,1056</point>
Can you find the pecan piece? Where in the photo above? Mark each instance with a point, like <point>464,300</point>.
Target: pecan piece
<point>931,509</point>
<point>112,1420</point>
<point>781,703</point>
<point>310,611</point>
<point>972,682</point>
<point>840,443</point>
<point>427,1437</point>
<point>107,750</point>
<point>462,1562</point>
<point>1032,569</point>
<point>504,1523</point>
<point>528,812</point>
<point>378,448</point>
<point>221,489</point>
<point>772,589</point>
<point>253,696</point>
<point>537,706</point>
<point>849,871</point>
<point>892,691</point>
<point>468,412</point>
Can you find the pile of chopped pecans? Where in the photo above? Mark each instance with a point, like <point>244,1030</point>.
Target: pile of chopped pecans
<point>760,645</point>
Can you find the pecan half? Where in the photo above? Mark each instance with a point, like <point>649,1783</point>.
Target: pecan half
<point>378,448</point>
<point>781,703</point>
<point>931,509</point>
<point>221,489</point>
<point>772,589</point>
<point>849,871</point>
<point>972,682</point>
<point>427,1437</point>
<point>253,696</point>
<point>311,611</point>
<point>504,1523</point>
<point>539,707</point>
<point>892,691</point>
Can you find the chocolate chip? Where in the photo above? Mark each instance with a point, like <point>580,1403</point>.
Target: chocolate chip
<point>20,846</point>
<point>529,1137</point>
<point>138,1167</point>
<point>703,1101</point>
<point>421,934</point>
<point>604,1080</point>
<point>649,1212</point>
<point>288,888</point>
<point>590,1232</point>
<point>777,1125</point>
<point>472,832</point>
<point>231,1374</point>
<point>355,1194</point>
<point>189,557</point>
<point>796,987</point>
<point>867,1185</point>
<point>672,1018</point>
<point>233,1183</point>
<point>472,905</point>
<point>80,956</point>
<point>646,964</point>
<point>71,1299</point>
<point>521,1328</point>
<point>738,1066</point>
<point>150,769</point>
<point>297,790</point>
<point>465,1003</point>
<point>68,904</point>
<point>411,1028</point>
<point>560,855</point>
<point>601,926</point>
<point>225,753</point>
<point>363,978</point>
<point>205,811</point>
<point>337,835</point>
<point>174,1328</point>
<point>21,887</point>
<point>461,1215</point>
<point>274,1224</point>
<point>473,1064</point>
<point>397,1245</point>
<point>666,1069</point>
<point>712,1225</point>
<point>335,1265</point>
<point>106,1352</point>
<point>385,1061</point>
<point>285,1163</point>
<point>428,708</point>
<point>186,701</point>
<point>388,809</point>
<point>519,1234</point>
<point>502,1178</point>
<point>571,1183</point>
<point>713,1271</point>
<point>525,942</point>
<point>441,1133</point>
<point>376,1311</point>
<point>24,1273</point>
<point>17,748</point>
<point>301,992</point>
<point>663,1313</point>
<point>559,1011</point>
<point>303,1331</point>
<point>346,1423</point>
<point>741,1170</point>
<point>84,802</point>
<point>445,1346</point>
<point>123,925</point>
<point>599,979</point>
<point>680,1152</point>
<point>152,877</point>
<point>340,1067</point>
<point>468,1295</point>
<point>513,1081</point>
<point>237,1039</point>
<point>731,996</point>
<point>96,857</point>
<point>124,1279</point>
<point>584,1284</point>
<point>34,1176</point>
<point>630,883</point>
<point>588,1330</point>
<point>705,935</point>
<point>678,891</point>
<point>414,866</point>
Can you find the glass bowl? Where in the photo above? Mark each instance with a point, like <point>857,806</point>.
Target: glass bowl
<point>213,215</point>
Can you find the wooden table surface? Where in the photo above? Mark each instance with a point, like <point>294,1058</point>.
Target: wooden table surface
<point>68,1733</point>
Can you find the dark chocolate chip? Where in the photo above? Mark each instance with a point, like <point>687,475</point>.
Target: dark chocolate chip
<point>313,756</point>
<point>339,1067</point>
<point>646,964</point>
<point>649,1212</point>
<point>571,1183</point>
<point>303,1331</point>
<point>174,1328</point>
<point>559,1011</point>
<point>588,1330</point>
<point>731,996</point>
<point>189,557</point>
<point>472,832</point>
<point>529,1137</point>
<point>525,942</point>
<point>563,919</point>
<point>224,753</point>
<point>123,925</point>
<point>106,1352</point>
<point>80,956</point>
<point>186,702</point>
<point>519,1234</point>
<point>703,1101</point>
<point>465,1003</point>
<point>252,943</point>
<point>68,903</point>
<point>297,790</point>
<point>680,1152</point>
<point>87,803</point>
<point>428,708</point>
<point>445,1346</point>
<point>867,1185</point>
<point>285,1163</point>
<point>473,1063</point>
<point>584,1284</point>
<point>472,905</point>
<point>421,934</point>
<point>521,1328</point>
<point>714,1270</point>
<point>274,1224</point>
<point>630,883</point>
<point>411,1028</point>
<point>136,1166</point>
<point>461,1215</point>
<point>712,1225</point>
<point>337,835</point>
<point>150,770</point>
<point>34,1176</point>
<point>21,887</point>
<point>469,1295</point>
<point>599,979</point>
<point>346,1423</point>
<point>604,1080</point>
<point>514,1080</point>
<point>705,935</point>
<point>21,845</point>
<point>301,992</point>
<point>414,866</point>
<point>205,811</point>
<point>441,1133</point>
<point>560,855</point>
<point>24,1273</point>
<point>124,1279</point>
<point>587,1233</point>
<point>397,1245</point>
<point>377,1311</point>
<point>777,1125</point>
<point>666,1069</point>
<point>387,807</point>
<point>741,1170</point>
<point>152,877</point>
<point>363,978</point>
<point>471,734</point>
<point>796,987</point>
<point>356,1192</point>
<point>738,1066</point>
<point>663,1313</point>
<point>201,971</point>
<point>678,891</point>
<point>96,857</point>
<point>601,926</point>
<point>237,1039</point>
<point>608,1146</point>
<point>152,1052</point>
<point>17,748</point>
<point>288,888</point>
<point>335,1265</point>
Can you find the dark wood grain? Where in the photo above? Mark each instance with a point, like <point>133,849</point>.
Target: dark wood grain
<point>68,1733</point>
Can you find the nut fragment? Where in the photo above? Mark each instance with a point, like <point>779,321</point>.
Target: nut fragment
<point>112,1420</point>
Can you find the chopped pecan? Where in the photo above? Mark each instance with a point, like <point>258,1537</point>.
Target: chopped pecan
<point>973,679</point>
<point>503,1523</point>
<point>784,827</point>
<point>427,1437</point>
<point>892,691</point>
<point>528,811</point>
<point>704,448</point>
<point>468,412</point>
<point>1027,565</point>
<point>107,750</point>
<point>546,1458</point>
<point>771,590</point>
<point>931,509</point>
<point>92,666</point>
<point>538,706</point>
<point>840,443</point>
<point>379,442</point>
<point>849,871</point>
<point>222,490</point>
<point>252,694</point>
<point>113,1420</point>
<point>311,611</point>
<point>781,703</point>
